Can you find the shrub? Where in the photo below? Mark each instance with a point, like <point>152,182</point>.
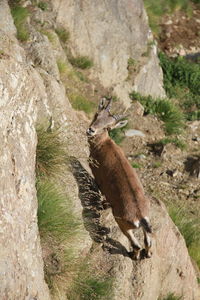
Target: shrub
<point>90,285</point>
<point>20,15</point>
<point>164,109</point>
<point>55,216</point>
<point>82,62</point>
<point>81,103</point>
<point>189,228</point>
<point>51,153</point>
<point>63,34</point>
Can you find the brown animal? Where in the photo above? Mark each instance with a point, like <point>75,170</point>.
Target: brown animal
<point>116,179</point>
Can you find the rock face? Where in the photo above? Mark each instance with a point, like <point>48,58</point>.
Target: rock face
<point>21,265</point>
<point>111,32</point>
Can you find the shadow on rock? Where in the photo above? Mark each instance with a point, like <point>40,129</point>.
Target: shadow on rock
<point>192,165</point>
<point>91,200</point>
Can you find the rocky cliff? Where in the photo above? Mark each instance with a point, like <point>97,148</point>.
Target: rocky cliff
<point>32,91</point>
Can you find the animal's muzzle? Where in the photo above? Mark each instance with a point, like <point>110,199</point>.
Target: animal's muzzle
<point>90,131</point>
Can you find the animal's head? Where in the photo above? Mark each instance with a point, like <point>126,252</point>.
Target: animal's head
<point>104,120</point>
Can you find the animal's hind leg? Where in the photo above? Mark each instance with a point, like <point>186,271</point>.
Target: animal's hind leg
<point>147,243</point>
<point>134,243</point>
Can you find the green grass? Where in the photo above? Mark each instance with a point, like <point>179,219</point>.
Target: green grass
<point>164,109</point>
<point>43,5</point>
<point>55,216</point>
<point>89,285</point>
<point>189,227</point>
<point>117,135</point>
<point>63,34</point>
<point>82,62</point>
<point>50,35</point>
<point>79,102</point>
<point>20,15</point>
<point>51,153</point>
<point>157,164</point>
<point>182,81</point>
<point>177,142</point>
<point>62,66</point>
<point>171,296</point>
<point>136,165</point>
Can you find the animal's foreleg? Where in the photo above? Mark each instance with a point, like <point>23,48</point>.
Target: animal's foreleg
<point>134,243</point>
<point>147,243</point>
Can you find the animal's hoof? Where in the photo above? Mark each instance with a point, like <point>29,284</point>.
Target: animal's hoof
<point>148,254</point>
<point>134,255</point>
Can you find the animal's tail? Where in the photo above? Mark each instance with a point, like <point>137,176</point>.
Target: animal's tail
<point>145,224</point>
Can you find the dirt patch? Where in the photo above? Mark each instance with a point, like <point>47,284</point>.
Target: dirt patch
<point>180,32</point>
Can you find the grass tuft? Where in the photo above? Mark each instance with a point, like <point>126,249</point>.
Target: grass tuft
<point>62,66</point>
<point>136,165</point>
<point>43,5</point>
<point>55,217</point>
<point>177,142</point>
<point>81,103</point>
<point>171,296</point>
<point>51,155</point>
<point>20,15</point>
<point>189,228</point>
<point>90,285</point>
<point>164,109</point>
<point>63,34</point>
<point>82,62</point>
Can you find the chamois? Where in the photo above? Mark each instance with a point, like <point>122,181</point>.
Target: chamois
<point>116,179</point>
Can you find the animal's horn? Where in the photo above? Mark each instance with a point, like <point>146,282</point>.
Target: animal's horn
<point>102,103</point>
<point>119,117</point>
<point>108,107</point>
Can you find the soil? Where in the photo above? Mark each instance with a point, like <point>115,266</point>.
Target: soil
<point>180,32</point>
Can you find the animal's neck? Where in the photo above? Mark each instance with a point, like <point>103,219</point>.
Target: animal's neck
<point>98,140</point>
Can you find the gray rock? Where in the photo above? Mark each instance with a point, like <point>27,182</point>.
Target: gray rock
<point>133,132</point>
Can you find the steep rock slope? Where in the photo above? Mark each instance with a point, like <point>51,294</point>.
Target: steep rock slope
<point>33,94</point>
<point>21,265</point>
<point>111,33</point>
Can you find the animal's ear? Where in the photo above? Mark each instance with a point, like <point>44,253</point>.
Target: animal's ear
<point>120,124</point>
<point>102,103</point>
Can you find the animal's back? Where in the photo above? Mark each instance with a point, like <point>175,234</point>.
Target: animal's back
<point>119,182</point>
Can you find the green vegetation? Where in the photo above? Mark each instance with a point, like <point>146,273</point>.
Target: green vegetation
<point>50,35</point>
<point>89,285</point>
<point>189,227</point>
<point>82,62</point>
<point>182,81</point>
<point>177,142</point>
<point>81,103</point>
<point>55,216</point>
<point>50,153</point>
<point>62,66</point>
<point>131,61</point>
<point>20,15</point>
<point>157,164</point>
<point>63,34</point>
<point>43,5</point>
<point>136,165</point>
<point>171,296</point>
<point>156,9</point>
<point>164,109</point>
